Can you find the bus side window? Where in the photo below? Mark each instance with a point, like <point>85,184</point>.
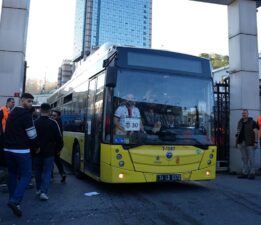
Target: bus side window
<point>108,114</point>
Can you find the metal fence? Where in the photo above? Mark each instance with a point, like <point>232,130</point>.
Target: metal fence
<point>221,114</point>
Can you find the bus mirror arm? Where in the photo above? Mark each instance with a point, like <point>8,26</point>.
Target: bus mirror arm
<point>111,77</point>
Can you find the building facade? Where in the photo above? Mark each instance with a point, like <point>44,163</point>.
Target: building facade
<point>65,72</point>
<point>79,27</point>
<point>220,74</point>
<point>116,21</point>
<point>13,35</point>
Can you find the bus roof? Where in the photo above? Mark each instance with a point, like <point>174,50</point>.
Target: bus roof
<point>106,50</point>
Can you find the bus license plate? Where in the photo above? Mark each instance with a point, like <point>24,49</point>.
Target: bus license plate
<point>168,177</point>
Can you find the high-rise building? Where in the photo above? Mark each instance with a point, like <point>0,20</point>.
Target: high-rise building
<point>79,28</point>
<point>65,72</point>
<point>116,21</point>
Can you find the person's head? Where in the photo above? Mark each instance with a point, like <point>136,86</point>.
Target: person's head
<point>27,100</point>
<point>56,114</point>
<point>130,100</point>
<point>10,102</point>
<point>244,113</point>
<point>45,109</point>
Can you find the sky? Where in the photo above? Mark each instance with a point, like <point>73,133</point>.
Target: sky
<point>177,25</point>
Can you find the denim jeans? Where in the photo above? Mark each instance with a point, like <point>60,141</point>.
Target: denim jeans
<point>19,175</point>
<point>59,164</point>
<point>43,171</point>
<point>248,158</point>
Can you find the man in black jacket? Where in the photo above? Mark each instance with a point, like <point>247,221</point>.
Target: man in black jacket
<point>50,142</point>
<point>20,137</point>
<point>247,139</point>
<point>56,115</point>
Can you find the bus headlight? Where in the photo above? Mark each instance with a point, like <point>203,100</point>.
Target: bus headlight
<point>211,156</point>
<point>121,175</point>
<point>208,173</point>
<point>209,162</point>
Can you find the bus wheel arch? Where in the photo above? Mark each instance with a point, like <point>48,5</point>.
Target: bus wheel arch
<point>76,159</point>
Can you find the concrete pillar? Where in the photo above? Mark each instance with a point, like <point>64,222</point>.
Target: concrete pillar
<point>13,34</point>
<point>244,83</point>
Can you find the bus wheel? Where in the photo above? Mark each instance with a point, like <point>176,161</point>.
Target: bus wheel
<point>77,162</point>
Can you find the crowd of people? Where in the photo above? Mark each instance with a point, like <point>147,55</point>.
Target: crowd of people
<point>29,148</point>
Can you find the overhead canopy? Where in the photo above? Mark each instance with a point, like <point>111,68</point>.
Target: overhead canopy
<point>224,2</point>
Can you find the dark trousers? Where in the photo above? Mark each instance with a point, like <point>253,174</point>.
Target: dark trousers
<point>43,170</point>
<point>2,153</point>
<point>19,175</point>
<point>2,158</point>
<point>59,164</point>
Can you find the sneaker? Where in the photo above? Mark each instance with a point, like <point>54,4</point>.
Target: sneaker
<point>38,192</point>
<point>63,179</point>
<point>242,176</point>
<point>30,185</point>
<point>3,188</point>
<point>251,176</point>
<point>43,196</point>
<point>15,208</point>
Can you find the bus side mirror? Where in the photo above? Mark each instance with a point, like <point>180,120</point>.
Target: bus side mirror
<point>111,77</point>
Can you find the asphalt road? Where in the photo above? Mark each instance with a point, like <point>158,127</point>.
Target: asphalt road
<point>225,201</point>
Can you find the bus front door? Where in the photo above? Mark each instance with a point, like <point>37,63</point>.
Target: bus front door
<point>93,129</point>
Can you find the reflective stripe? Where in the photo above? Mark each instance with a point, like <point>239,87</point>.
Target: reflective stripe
<point>259,124</point>
<point>31,132</point>
<point>20,151</point>
<point>6,112</point>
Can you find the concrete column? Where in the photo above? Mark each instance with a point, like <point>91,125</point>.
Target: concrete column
<point>244,83</point>
<point>13,34</point>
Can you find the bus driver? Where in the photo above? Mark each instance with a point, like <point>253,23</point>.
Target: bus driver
<point>127,117</point>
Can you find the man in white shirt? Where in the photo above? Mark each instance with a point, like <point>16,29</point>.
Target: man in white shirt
<point>127,117</point>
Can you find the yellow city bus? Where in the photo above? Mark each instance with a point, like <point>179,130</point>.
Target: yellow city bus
<point>171,136</point>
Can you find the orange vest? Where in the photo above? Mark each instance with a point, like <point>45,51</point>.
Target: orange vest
<point>259,124</point>
<point>6,112</point>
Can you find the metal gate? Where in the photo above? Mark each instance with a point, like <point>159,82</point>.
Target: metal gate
<point>221,114</point>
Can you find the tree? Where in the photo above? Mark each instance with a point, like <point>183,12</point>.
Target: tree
<point>33,86</point>
<point>37,86</point>
<point>217,60</point>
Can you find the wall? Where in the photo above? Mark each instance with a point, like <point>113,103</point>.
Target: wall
<point>13,34</point>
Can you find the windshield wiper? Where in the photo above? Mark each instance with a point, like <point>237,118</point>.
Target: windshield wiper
<point>198,143</point>
<point>167,135</point>
<point>129,146</point>
<point>201,146</point>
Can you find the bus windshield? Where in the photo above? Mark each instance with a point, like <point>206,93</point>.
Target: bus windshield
<point>161,108</point>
